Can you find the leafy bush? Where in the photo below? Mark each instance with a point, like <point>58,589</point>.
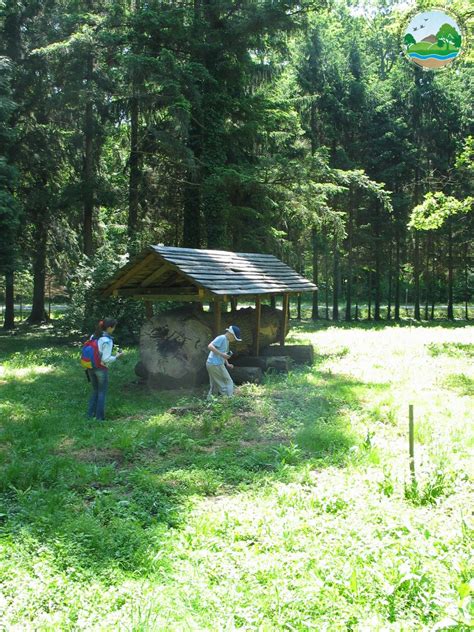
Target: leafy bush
<point>87,307</point>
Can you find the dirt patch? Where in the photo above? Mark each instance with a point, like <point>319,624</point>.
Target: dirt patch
<point>102,457</point>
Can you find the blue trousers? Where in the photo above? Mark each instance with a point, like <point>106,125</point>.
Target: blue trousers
<point>100,381</point>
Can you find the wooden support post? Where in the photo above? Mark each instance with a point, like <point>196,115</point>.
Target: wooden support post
<point>217,317</point>
<point>411,442</point>
<point>284,319</point>
<point>148,310</point>
<point>258,314</point>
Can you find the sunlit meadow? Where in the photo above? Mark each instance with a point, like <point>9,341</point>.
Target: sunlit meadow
<point>290,507</point>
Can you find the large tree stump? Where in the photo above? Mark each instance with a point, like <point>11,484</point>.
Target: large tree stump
<point>173,344</point>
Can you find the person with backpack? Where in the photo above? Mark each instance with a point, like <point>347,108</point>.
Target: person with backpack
<point>96,357</point>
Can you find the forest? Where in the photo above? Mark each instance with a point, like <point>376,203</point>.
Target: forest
<point>292,128</point>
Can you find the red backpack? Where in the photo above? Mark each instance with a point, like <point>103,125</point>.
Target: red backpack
<point>90,355</point>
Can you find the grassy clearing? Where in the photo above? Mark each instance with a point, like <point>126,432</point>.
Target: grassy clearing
<point>286,508</point>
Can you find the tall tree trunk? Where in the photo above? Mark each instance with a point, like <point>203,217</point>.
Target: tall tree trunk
<point>326,279</point>
<point>134,157</point>
<point>315,242</point>
<point>377,284</point>
<point>433,289</point>
<point>135,173</point>
<point>397,278</point>
<point>192,191</point>
<point>88,165</point>
<point>356,297</point>
<point>298,299</point>
<point>450,272</point>
<point>38,314</point>
<point>428,276</point>
<point>416,275</point>
<point>9,316</point>
<point>348,314</point>
<point>335,290</point>
<point>389,289</point>
<point>369,315</point>
<point>192,215</point>
<point>466,280</point>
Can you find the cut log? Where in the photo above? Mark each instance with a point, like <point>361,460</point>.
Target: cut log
<point>300,354</point>
<point>243,374</point>
<point>281,364</point>
<point>173,344</point>
<point>245,360</point>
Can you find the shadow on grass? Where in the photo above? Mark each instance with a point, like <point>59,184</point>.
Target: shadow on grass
<point>96,493</point>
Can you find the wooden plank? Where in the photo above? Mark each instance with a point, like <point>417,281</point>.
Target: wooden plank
<point>258,314</point>
<point>121,280</point>
<point>233,272</point>
<point>262,287</point>
<point>157,274</point>
<point>284,319</point>
<point>171,251</point>
<point>229,261</point>
<point>217,317</point>
<point>253,274</point>
<point>228,269</point>
<point>149,310</point>
<point>223,259</point>
<point>158,291</point>
<point>251,295</point>
<point>166,297</point>
<point>246,281</point>
<point>255,282</point>
<point>212,255</point>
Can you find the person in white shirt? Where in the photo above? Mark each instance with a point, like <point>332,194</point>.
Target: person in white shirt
<point>220,381</point>
<point>99,376</point>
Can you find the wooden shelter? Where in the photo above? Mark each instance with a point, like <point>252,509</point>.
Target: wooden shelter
<point>187,274</point>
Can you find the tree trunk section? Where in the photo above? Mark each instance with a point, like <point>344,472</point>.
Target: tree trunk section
<point>416,276</point>
<point>9,316</point>
<point>348,315</point>
<point>135,175</point>
<point>335,296</point>
<point>315,306</point>
<point>450,272</point>
<point>377,283</point>
<point>173,345</point>
<point>389,289</point>
<point>38,314</point>
<point>88,167</point>
<point>397,278</point>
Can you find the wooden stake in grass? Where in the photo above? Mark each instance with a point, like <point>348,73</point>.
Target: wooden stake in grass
<point>411,442</point>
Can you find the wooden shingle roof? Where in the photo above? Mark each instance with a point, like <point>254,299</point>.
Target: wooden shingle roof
<point>162,272</point>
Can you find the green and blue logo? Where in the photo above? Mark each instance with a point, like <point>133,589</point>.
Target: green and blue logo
<point>432,39</point>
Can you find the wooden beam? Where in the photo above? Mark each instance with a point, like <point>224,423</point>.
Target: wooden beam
<point>258,314</point>
<point>217,317</point>
<point>284,319</point>
<point>157,274</point>
<point>185,298</point>
<point>128,275</point>
<point>175,292</point>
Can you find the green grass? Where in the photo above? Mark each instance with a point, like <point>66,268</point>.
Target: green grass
<point>289,507</point>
